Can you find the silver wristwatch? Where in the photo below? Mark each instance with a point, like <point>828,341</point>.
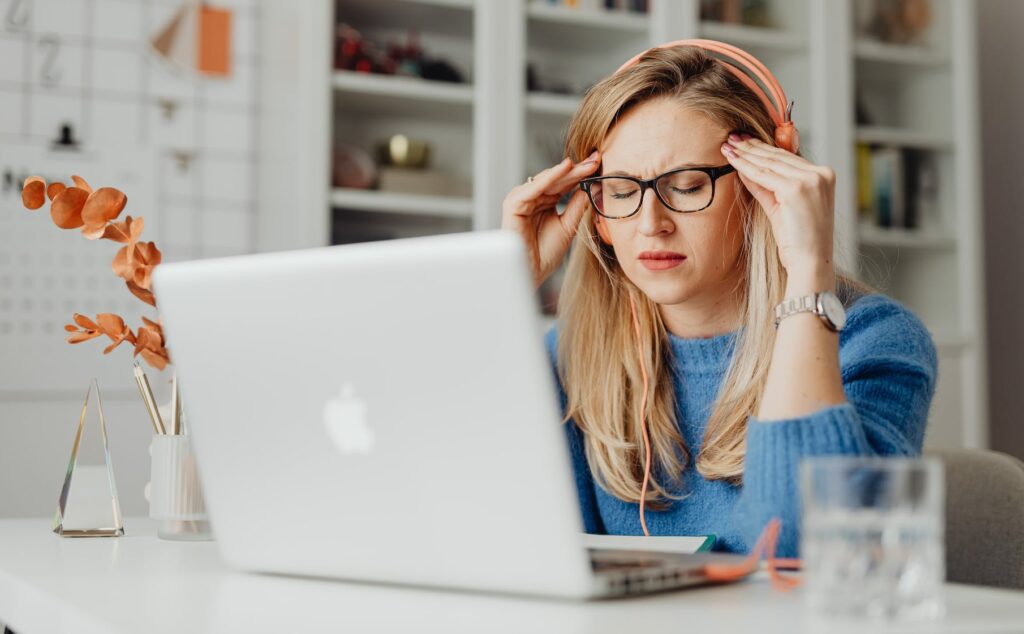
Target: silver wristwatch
<point>824,304</point>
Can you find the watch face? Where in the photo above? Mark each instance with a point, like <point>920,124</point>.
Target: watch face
<point>834,310</point>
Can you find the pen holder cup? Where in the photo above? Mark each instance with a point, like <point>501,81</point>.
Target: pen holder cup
<point>175,494</point>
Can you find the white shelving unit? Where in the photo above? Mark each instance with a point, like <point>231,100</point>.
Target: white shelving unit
<point>493,132</point>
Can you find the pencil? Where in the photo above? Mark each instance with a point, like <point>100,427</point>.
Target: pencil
<point>148,400</point>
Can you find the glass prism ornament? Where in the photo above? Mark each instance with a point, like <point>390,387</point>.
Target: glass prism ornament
<point>88,505</point>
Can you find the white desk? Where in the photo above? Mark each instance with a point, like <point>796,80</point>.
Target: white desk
<point>139,584</point>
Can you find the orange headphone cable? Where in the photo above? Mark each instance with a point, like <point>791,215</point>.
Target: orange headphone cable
<point>643,418</point>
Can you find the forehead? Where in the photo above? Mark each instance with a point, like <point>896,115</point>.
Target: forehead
<point>662,134</point>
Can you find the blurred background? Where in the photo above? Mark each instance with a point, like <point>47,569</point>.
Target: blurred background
<point>241,126</point>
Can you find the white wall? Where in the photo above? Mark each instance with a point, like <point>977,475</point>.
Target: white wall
<point>1001,57</point>
<point>88,62</point>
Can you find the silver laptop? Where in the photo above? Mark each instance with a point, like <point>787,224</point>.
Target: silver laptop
<point>387,412</point>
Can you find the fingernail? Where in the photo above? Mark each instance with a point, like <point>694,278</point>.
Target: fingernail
<point>746,137</point>
<point>591,159</point>
<point>735,138</point>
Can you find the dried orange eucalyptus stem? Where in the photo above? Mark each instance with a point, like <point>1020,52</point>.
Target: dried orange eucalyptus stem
<point>96,212</point>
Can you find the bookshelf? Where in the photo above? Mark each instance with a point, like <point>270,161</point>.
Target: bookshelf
<point>491,131</point>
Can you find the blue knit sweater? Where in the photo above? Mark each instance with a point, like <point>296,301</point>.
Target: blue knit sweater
<point>888,365</point>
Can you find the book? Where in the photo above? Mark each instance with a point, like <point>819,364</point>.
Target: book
<point>887,176</point>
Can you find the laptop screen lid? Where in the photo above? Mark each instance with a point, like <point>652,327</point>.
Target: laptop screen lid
<point>380,411</point>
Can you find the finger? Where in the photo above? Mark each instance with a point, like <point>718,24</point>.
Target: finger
<point>760,175</point>
<point>785,170</point>
<point>762,195</point>
<point>759,148</point>
<point>575,175</point>
<point>541,182</point>
<point>574,211</point>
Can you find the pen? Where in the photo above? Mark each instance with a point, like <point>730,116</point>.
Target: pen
<point>147,398</point>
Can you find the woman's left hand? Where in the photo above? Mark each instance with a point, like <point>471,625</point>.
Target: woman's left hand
<point>798,196</point>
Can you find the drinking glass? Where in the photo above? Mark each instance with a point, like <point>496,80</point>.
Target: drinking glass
<point>872,537</point>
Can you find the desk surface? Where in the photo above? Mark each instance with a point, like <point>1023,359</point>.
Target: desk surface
<point>138,583</point>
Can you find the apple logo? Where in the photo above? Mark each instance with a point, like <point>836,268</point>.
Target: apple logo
<point>345,419</point>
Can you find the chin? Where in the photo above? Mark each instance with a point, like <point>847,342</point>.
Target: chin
<point>667,290</point>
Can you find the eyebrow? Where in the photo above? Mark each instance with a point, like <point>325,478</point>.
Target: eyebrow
<point>680,166</point>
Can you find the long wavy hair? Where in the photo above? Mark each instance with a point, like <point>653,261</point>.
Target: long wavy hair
<point>597,360</point>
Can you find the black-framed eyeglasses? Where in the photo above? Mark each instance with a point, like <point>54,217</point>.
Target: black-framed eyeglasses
<point>684,190</point>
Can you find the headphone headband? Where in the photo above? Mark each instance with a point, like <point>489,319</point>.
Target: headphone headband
<point>755,76</point>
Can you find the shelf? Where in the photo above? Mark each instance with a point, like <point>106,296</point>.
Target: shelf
<point>451,18</point>
<point>402,203</point>
<point>752,36</point>
<point>872,235</point>
<point>408,97</point>
<point>873,51</point>
<point>900,137</point>
<point>552,104</point>
<point>622,21</point>
<point>398,87</point>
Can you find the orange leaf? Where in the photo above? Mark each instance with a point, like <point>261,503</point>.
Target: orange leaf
<point>137,226</point>
<point>71,328</point>
<point>153,324</point>
<point>66,210</point>
<point>121,266</point>
<point>79,337</point>
<point>103,205</point>
<point>155,359</point>
<point>81,184</point>
<point>117,231</point>
<point>111,347</point>
<point>141,293</point>
<point>33,193</point>
<point>54,190</point>
<point>112,325</point>
<point>84,321</point>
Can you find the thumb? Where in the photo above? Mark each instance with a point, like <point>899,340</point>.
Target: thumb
<point>574,211</point>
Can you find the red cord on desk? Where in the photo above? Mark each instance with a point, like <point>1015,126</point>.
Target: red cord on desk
<point>765,545</point>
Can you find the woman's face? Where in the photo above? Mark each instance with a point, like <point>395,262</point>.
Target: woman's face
<point>653,138</point>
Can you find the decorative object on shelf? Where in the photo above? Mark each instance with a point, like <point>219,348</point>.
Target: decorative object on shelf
<point>537,83</point>
<point>354,52</point>
<point>636,6</point>
<point>95,499</point>
<point>96,212</point>
<point>197,39</point>
<point>746,12</point>
<point>353,167</point>
<point>405,167</point>
<point>402,151</point>
<point>894,21</point>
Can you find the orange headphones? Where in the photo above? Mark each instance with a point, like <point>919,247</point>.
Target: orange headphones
<point>754,76</point>
<point>760,80</point>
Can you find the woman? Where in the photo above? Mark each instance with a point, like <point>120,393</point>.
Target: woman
<point>669,302</point>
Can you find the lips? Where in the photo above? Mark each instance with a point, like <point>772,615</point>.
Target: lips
<point>661,260</point>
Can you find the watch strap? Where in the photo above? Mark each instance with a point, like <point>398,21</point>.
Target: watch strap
<point>794,305</point>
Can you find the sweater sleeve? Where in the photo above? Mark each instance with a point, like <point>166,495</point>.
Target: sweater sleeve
<point>889,366</point>
<point>574,437</point>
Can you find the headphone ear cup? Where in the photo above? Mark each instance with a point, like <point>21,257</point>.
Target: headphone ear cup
<point>787,137</point>
<point>602,229</point>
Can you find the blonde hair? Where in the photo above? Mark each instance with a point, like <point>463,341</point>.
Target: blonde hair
<point>597,360</point>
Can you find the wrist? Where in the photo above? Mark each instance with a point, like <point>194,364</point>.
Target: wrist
<point>811,279</point>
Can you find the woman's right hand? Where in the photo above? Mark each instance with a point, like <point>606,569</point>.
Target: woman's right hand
<point>529,209</point>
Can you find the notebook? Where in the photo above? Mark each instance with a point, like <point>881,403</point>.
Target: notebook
<point>657,543</point>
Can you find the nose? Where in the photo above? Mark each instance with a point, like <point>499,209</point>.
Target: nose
<point>654,217</point>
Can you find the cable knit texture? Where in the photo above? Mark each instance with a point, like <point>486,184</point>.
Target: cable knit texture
<point>889,367</point>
